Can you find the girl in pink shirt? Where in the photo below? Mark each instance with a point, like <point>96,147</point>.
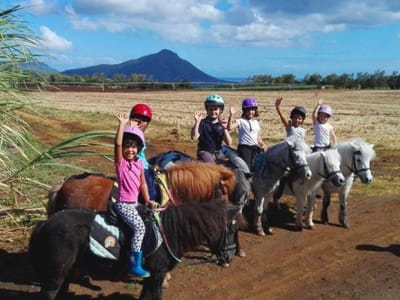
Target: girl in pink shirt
<point>131,180</point>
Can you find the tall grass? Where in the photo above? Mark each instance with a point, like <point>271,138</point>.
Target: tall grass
<point>23,161</point>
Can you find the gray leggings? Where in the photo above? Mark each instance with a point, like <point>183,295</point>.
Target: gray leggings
<point>128,213</point>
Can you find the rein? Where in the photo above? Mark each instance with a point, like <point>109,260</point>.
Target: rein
<point>164,236</point>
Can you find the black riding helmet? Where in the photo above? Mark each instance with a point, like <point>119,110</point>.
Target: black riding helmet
<point>298,110</point>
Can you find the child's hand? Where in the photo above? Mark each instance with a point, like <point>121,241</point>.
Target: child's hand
<point>320,101</point>
<point>198,116</point>
<point>223,121</point>
<point>153,204</point>
<point>278,101</point>
<point>123,118</point>
<point>232,110</point>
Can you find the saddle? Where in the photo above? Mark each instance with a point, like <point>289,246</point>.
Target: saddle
<point>109,234</point>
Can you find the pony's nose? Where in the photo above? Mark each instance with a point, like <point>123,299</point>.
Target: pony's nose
<point>308,174</point>
<point>339,180</point>
<point>368,180</point>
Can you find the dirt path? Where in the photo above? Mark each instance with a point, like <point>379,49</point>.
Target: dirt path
<point>330,262</point>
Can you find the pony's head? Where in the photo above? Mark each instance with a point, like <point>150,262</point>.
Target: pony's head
<point>363,153</point>
<point>330,168</point>
<point>297,152</point>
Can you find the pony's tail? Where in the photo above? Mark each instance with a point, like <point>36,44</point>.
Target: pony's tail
<point>52,195</point>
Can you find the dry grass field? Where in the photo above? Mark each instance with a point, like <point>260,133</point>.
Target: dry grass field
<point>373,115</point>
<point>330,262</point>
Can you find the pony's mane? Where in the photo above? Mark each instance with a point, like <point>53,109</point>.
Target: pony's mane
<point>190,180</point>
<point>298,144</point>
<point>192,223</point>
<point>366,147</point>
<point>273,150</point>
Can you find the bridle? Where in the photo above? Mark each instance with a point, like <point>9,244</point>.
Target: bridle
<point>354,169</point>
<point>327,174</point>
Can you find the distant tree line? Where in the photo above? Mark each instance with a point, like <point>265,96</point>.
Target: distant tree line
<point>362,80</point>
<point>377,80</point>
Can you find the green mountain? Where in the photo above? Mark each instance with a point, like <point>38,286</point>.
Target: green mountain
<point>164,66</point>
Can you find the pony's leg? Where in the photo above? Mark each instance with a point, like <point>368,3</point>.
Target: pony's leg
<point>152,286</point>
<point>239,250</point>
<point>300,197</point>
<point>310,210</point>
<point>326,201</point>
<point>343,197</point>
<point>259,207</point>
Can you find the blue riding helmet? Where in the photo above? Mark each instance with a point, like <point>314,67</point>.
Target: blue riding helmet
<point>214,100</point>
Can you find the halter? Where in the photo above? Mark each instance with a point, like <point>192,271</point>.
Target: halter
<point>355,170</point>
<point>326,171</point>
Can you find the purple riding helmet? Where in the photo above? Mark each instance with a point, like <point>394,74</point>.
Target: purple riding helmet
<point>249,103</point>
<point>324,108</point>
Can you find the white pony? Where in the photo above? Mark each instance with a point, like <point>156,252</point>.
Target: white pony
<point>290,154</point>
<point>356,161</point>
<point>324,166</point>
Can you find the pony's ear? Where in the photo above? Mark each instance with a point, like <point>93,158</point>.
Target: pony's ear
<point>290,142</point>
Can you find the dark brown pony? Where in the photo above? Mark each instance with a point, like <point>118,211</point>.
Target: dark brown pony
<point>193,180</point>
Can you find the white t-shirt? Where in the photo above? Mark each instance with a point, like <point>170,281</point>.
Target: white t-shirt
<point>248,131</point>
<point>322,134</point>
<point>298,132</point>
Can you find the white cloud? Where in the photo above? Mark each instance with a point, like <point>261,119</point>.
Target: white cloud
<point>50,40</point>
<point>258,22</point>
<point>39,7</point>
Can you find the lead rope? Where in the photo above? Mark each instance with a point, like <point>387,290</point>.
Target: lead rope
<point>161,228</point>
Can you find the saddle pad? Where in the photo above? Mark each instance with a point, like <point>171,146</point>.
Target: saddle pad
<point>105,239</point>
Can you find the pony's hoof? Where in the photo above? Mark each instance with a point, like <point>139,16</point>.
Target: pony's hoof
<point>241,253</point>
<point>225,265</point>
<point>270,232</point>
<point>298,228</point>
<point>260,232</point>
<point>310,227</point>
<point>165,284</point>
<point>346,225</point>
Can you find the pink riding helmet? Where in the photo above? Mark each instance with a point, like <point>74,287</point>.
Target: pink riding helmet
<point>324,108</point>
<point>134,133</point>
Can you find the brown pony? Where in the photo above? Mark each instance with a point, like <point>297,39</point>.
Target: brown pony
<point>186,181</point>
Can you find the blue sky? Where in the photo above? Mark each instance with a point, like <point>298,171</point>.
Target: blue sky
<point>231,38</point>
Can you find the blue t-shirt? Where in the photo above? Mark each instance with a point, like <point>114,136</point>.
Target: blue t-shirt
<point>211,136</point>
<point>143,158</point>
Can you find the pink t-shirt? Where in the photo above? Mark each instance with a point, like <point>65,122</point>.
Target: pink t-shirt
<point>129,179</point>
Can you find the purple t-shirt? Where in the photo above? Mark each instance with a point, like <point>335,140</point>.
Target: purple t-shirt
<point>129,179</point>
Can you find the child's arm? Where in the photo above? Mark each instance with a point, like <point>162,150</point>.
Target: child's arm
<point>232,125</point>
<point>227,136</point>
<point>123,119</point>
<point>260,142</point>
<point>315,112</point>
<point>278,110</point>
<point>194,134</point>
<point>333,137</point>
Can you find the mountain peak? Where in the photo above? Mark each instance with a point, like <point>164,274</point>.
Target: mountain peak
<point>163,66</point>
